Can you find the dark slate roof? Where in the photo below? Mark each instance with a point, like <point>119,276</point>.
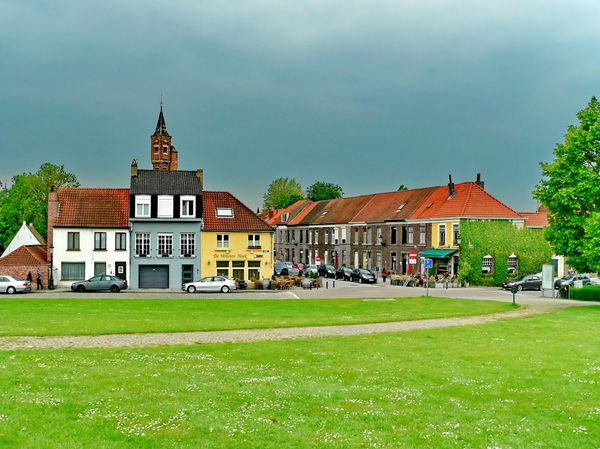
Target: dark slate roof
<point>158,182</point>
<point>161,125</point>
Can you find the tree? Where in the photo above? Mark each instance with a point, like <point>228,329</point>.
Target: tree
<point>27,199</point>
<point>324,191</point>
<point>401,188</point>
<point>281,193</point>
<point>570,189</point>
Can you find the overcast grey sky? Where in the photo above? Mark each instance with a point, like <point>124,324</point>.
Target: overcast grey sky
<point>367,94</point>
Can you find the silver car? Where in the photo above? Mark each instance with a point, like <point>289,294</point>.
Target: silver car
<point>101,282</point>
<point>210,284</point>
<point>10,285</point>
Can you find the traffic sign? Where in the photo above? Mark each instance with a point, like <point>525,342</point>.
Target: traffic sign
<point>412,257</point>
<point>428,263</point>
<point>318,259</point>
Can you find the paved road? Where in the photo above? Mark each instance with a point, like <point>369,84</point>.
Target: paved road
<point>233,336</point>
<point>340,290</point>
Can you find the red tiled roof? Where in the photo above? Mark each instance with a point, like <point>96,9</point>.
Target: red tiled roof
<point>26,255</point>
<point>469,200</point>
<point>391,206</point>
<point>292,210</point>
<point>339,210</point>
<point>93,208</point>
<point>243,218</point>
<point>537,219</point>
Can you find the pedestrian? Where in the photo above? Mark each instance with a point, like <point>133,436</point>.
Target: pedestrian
<point>383,274</point>
<point>38,278</point>
<point>29,277</point>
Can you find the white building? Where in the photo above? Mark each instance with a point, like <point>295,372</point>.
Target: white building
<point>26,236</point>
<point>88,232</point>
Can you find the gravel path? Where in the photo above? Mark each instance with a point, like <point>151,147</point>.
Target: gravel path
<point>187,338</point>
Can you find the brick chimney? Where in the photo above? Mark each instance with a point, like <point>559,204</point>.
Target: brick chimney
<point>134,168</point>
<point>271,213</point>
<point>200,175</point>
<point>451,189</point>
<point>53,211</point>
<point>479,182</point>
<point>174,159</point>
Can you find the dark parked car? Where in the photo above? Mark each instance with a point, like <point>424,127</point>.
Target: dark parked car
<point>530,282</point>
<point>343,273</point>
<point>327,271</point>
<point>360,275</point>
<point>570,279</point>
<point>102,282</point>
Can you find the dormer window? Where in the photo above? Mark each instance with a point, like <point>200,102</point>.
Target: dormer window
<point>285,217</point>
<point>224,212</point>
<point>188,206</point>
<point>142,206</point>
<point>165,206</point>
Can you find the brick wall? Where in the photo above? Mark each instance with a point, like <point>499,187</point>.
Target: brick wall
<point>20,272</point>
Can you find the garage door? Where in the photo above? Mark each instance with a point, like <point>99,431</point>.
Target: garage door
<point>154,276</point>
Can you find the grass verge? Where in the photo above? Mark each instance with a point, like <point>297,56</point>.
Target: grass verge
<point>523,383</point>
<point>38,317</point>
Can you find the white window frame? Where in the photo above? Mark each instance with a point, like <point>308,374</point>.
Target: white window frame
<point>187,244</point>
<point>182,210</point>
<point>224,212</point>
<point>440,227</point>
<point>422,234</point>
<point>142,200</point>
<point>165,206</point>
<point>222,241</point>
<point>164,245</point>
<point>142,240</point>
<point>253,240</point>
<point>455,233</point>
<point>410,235</point>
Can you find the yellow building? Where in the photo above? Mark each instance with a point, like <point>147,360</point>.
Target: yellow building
<point>235,242</point>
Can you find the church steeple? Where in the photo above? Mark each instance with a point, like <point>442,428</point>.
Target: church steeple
<point>161,125</point>
<point>164,156</point>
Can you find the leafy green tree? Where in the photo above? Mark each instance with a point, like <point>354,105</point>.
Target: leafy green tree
<point>27,199</point>
<point>281,193</point>
<point>401,188</point>
<point>570,189</point>
<point>324,191</point>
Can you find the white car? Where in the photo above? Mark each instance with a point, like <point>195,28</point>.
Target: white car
<point>210,284</point>
<point>12,285</point>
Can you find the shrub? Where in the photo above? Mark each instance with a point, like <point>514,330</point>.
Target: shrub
<point>587,293</point>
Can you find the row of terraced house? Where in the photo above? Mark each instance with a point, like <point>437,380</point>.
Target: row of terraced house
<point>395,231</point>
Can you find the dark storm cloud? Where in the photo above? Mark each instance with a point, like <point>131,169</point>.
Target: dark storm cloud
<point>366,94</point>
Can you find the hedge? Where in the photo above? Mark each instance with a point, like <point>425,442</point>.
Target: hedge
<point>499,239</point>
<point>587,293</point>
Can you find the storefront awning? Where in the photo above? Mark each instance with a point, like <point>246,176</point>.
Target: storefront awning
<point>433,253</point>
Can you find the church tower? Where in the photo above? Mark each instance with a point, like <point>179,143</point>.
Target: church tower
<point>162,154</point>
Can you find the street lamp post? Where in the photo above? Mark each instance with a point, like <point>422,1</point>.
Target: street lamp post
<point>51,277</point>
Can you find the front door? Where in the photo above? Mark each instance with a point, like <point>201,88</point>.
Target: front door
<point>187,273</point>
<point>121,269</point>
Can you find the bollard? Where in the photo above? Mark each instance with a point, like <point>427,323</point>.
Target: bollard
<point>334,284</point>
<point>326,285</point>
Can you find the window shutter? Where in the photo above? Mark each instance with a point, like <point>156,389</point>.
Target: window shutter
<point>153,206</point>
<point>198,206</point>
<point>131,206</point>
<point>176,206</point>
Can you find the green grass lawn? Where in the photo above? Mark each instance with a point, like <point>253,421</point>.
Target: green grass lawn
<point>526,383</point>
<point>105,316</point>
